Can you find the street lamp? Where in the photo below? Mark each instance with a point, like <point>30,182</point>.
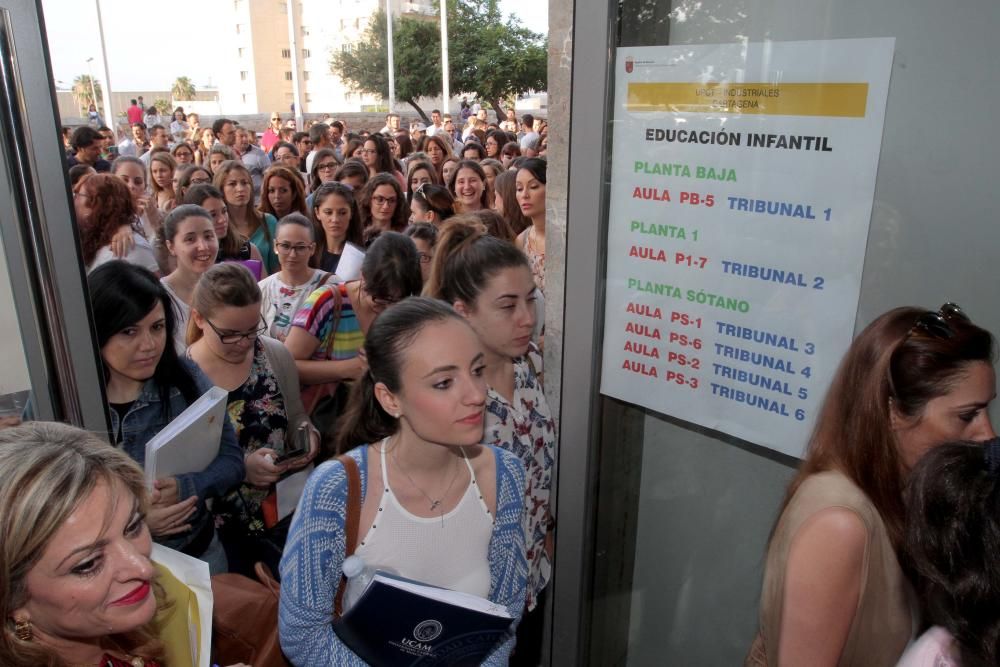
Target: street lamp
<point>93,91</point>
<point>392,73</point>
<point>446,94</point>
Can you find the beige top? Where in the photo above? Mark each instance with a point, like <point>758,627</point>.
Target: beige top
<point>882,624</point>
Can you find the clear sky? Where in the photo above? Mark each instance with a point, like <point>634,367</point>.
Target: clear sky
<point>148,51</point>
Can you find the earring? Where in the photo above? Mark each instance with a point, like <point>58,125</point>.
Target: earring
<point>396,415</point>
<point>22,630</point>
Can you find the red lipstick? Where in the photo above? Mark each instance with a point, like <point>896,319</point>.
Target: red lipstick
<point>134,597</point>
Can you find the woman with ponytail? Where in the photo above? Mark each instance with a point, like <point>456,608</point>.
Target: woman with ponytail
<point>488,281</point>
<point>329,329</point>
<point>448,508</point>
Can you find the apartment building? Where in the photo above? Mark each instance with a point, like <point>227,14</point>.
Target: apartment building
<point>264,63</point>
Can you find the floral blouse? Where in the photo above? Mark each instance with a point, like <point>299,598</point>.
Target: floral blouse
<point>535,258</point>
<point>528,429</point>
<point>257,411</point>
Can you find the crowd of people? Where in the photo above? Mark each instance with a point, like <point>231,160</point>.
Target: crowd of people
<point>362,292</point>
<point>380,295</point>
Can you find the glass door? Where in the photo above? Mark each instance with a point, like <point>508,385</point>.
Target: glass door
<point>663,524</point>
<point>46,340</point>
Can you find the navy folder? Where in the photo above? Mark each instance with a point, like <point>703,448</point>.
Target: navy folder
<point>400,622</point>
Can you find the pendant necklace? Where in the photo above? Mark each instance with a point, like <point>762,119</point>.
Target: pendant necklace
<point>435,503</point>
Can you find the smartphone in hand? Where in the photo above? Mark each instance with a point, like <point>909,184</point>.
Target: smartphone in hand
<point>300,445</point>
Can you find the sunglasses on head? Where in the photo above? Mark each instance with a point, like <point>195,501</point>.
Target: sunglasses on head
<point>937,324</point>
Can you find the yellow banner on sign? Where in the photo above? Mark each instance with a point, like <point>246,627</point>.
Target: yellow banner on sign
<point>847,100</point>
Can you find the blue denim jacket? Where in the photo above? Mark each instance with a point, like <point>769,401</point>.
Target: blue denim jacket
<point>145,419</point>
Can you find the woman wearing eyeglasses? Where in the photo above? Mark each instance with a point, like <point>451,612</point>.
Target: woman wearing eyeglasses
<point>264,407</point>
<point>383,206</point>
<point>285,291</point>
<point>147,386</point>
<point>324,169</point>
<point>377,156</point>
<point>833,591</point>
<point>329,330</point>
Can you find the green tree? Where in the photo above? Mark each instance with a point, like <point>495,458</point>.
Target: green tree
<point>496,59</point>
<point>83,92</point>
<point>493,58</point>
<point>416,48</point>
<point>182,89</point>
<point>162,106</point>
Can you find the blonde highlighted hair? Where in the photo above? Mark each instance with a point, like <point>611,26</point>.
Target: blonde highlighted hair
<point>49,469</point>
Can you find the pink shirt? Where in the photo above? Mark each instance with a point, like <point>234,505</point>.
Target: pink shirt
<point>134,114</point>
<point>269,139</point>
<point>934,648</point>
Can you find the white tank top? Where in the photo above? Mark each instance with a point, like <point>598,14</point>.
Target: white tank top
<point>450,551</point>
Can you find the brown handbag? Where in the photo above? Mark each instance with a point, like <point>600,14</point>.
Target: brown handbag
<point>245,619</point>
<point>245,611</point>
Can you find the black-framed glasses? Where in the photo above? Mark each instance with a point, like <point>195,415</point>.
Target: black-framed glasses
<point>937,324</point>
<point>231,338</point>
<point>298,248</point>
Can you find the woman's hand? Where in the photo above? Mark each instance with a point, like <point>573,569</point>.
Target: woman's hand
<point>261,470</point>
<point>308,457</point>
<point>172,519</point>
<point>165,491</point>
<point>122,242</point>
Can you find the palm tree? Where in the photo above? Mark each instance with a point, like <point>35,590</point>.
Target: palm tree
<point>84,91</point>
<point>182,89</point>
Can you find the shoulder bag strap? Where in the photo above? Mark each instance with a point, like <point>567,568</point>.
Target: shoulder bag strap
<point>352,519</point>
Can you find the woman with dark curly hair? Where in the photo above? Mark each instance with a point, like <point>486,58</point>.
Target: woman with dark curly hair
<point>383,206</point>
<point>103,205</point>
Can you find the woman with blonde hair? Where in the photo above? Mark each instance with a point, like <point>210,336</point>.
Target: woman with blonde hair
<point>161,179</point>
<point>105,605</point>
<point>204,139</point>
<point>62,488</point>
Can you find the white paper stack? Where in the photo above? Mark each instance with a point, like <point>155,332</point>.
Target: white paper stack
<point>349,266</point>
<point>191,441</point>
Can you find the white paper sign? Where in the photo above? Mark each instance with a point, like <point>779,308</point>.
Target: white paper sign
<point>742,184</point>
